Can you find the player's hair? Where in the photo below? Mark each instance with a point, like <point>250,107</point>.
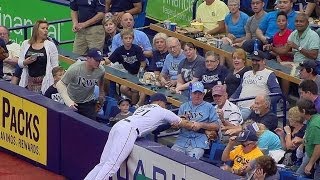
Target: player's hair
<point>126,32</point>
<point>159,36</point>
<point>56,70</point>
<point>309,85</point>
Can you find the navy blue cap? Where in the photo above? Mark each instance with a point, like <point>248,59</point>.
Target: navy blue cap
<point>247,135</point>
<point>309,64</point>
<point>259,55</point>
<point>124,99</point>
<point>95,54</point>
<point>158,97</point>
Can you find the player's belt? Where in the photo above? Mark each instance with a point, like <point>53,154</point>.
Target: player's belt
<point>130,121</point>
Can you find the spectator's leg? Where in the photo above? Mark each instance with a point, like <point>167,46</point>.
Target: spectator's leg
<point>317,172</point>
<point>95,37</point>
<point>305,160</point>
<point>80,45</point>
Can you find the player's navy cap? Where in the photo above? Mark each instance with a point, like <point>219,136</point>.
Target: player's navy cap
<point>309,64</point>
<point>95,53</point>
<point>124,99</point>
<point>158,97</point>
<point>247,135</point>
<point>197,86</point>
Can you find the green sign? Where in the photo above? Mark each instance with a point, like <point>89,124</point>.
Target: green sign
<point>15,13</point>
<point>179,11</point>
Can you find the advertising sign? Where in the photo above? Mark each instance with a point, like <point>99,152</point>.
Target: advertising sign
<point>23,128</point>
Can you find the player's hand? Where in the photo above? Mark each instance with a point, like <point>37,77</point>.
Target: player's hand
<point>74,106</point>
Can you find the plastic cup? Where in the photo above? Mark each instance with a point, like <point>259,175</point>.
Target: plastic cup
<point>219,43</point>
<point>173,26</point>
<point>166,24</point>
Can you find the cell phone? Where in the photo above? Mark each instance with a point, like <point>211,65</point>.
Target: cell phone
<point>34,56</point>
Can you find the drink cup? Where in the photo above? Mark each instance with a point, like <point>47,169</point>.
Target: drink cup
<point>166,24</point>
<point>173,26</point>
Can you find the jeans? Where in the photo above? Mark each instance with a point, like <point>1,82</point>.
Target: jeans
<point>304,163</point>
<point>190,151</point>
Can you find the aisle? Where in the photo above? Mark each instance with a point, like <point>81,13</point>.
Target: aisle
<point>12,168</point>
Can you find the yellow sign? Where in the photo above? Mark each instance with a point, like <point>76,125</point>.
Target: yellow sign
<point>23,127</point>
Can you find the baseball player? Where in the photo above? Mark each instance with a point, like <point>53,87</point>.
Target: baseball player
<point>123,135</point>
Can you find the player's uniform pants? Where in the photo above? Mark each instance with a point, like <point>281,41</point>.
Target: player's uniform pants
<point>118,147</point>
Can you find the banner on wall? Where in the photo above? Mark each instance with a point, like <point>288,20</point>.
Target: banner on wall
<point>179,11</point>
<point>28,12</point>
<point>23,128</point>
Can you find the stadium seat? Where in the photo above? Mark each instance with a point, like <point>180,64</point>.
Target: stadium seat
<point>140,18</point>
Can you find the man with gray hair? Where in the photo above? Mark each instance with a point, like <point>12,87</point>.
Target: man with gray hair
<point>169,72</point>
<point>262,113</point>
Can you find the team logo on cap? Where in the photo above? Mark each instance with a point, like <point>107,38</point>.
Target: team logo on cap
<point>99,52</point>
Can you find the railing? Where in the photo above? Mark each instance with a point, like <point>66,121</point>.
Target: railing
<point>26,27</point>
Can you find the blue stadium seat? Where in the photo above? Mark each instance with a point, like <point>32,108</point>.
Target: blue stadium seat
<point>140,18</point>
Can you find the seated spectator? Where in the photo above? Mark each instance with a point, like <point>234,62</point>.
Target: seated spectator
<point>234,78</point>
<point>169,72</point>
<point>280,39</point>
<point>204,116</point>
<point>308,71</point>
<point>37,58</point>
<point>229,113</point>
<point>159,54</point>
<point>291,136</point>
<point>268,141</point>
<point>110,27</point>
<point>235,22</point>
<point>262,112</point>
<point>132,58</point>
<point>124,105</point>
<point>52,92</point>
<point>191,65</point>
<point>253,21</point>
<point>140,38</point>
<point>13,48</point>
<point>118,8</point>
<point>306,48</point>
<point>212,14</point>
<point>312,8</point>
<point>212,75</point>
<point>308,90</point>
<point>3,55</point>
<point>268,25</point>
<point>246,6</point>
<point>263,168</point>
<point>241,154</point>
<point>256,81</point>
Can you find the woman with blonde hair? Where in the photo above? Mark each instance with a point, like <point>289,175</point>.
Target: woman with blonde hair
<point>292,136</point>
<point>110,27</point>
<point>233,79</point>
<point>37,58</point>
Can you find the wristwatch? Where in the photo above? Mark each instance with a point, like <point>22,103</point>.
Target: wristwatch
<point>299,48</point>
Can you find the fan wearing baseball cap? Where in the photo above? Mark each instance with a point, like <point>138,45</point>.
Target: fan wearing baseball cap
<point>202,114</point>
<point>77,85</point>
<point>241,154</point>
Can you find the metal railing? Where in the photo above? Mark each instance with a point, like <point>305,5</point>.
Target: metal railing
<point>26,27</point>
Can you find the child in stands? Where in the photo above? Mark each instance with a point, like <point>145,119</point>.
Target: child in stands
<point>52,91</point>
<point>123,105</point>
